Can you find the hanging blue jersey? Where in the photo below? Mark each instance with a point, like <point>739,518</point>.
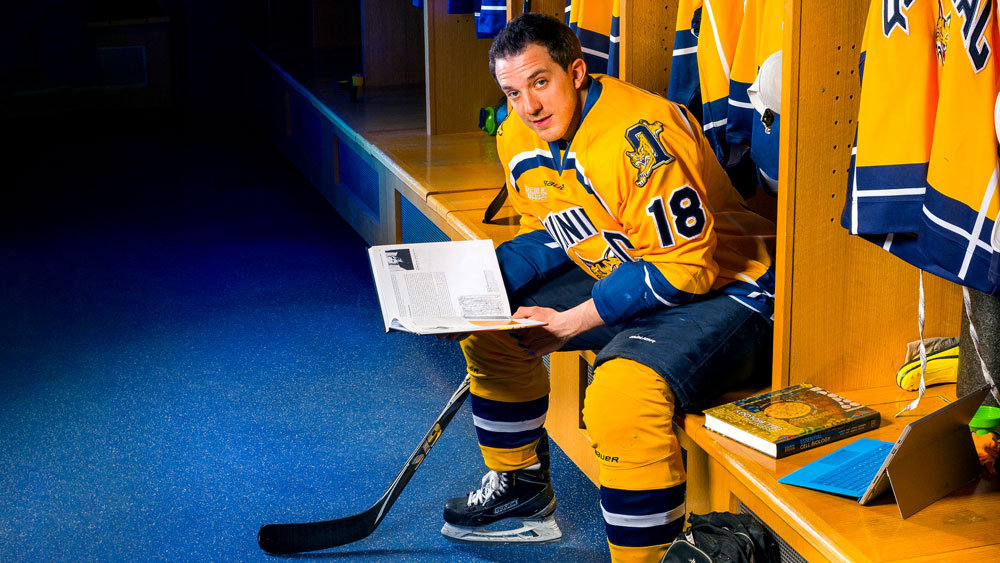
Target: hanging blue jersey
<point>683,87</point>
<point>491,18</point>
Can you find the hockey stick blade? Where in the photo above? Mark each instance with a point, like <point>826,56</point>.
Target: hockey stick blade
<point>313,536</point>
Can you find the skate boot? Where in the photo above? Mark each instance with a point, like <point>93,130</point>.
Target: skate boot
<point>509,507</point>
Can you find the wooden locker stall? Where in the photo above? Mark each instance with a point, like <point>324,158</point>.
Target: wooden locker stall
<point>845,308</point>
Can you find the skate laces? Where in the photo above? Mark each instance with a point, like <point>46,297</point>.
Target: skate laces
<point>493,483</point>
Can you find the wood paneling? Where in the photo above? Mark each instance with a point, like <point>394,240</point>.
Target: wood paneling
<point>647,42</point>
<point>393,43</point>
<point>457,71</point>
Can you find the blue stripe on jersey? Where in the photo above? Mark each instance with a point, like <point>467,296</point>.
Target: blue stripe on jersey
<point>714,121</point>
<point>740,117</point>
<point>683,88</point>
<point>493,416</point>
<point>595,50</point>
<point>528,259</point>
<point>492,18</point>
<point>898,205</point>
<point>643,503</point>
<point>757,295</point>
<point>632,289</point>
<point>583,180</point>
<point>566,10</point>
<point>994,273</point>
<point>946,240</point>
<point>912,250</point>
<point>764,146</point>
<point>418,3</point>
<point>613,47</point>
<point>537,160</point>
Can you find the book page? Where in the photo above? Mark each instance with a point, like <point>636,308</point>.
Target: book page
<point>442,287</point>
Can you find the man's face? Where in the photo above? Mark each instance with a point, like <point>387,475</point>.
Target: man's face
<point>544,96</point>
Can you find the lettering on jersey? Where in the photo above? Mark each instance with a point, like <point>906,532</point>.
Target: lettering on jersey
<point>569,227</point>
<point>893,16</point>
<point>942,28</point>
<point>551,184</point>
<point>618,243</point>
<point>606,458</point>
<point>683,211</point>
<point>647,152</point>
<point>977,15</point>
<point>535,193</point>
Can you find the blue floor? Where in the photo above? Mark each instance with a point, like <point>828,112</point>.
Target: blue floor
<point>190,347</point>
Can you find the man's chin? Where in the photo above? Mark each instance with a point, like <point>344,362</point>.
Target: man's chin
<point>547,135</point>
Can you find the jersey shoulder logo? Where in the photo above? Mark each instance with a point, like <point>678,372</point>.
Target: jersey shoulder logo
<point>600,269</point>
<point>942,28</point>
<point>647,152</point>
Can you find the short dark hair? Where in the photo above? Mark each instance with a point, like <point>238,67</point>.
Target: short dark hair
<point>534,27</point>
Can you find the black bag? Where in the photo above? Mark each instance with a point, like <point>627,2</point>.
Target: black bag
<point>723,537</point>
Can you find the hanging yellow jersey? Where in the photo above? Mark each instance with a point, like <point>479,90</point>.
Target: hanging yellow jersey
<point>638,200</point>
<point>760,37</point>
<point>596,24</point>
<point>720,30</point>
<point>959,206</point>
<point>899,100</point>
<point>961,203</point>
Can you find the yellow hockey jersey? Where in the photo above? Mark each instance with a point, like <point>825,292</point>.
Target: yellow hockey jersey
<point>899,99</point>
<point>937,174</point>
<point>720,32</point>
<point>596,24</point>
<point>638,200</point>
<point>962,202</point>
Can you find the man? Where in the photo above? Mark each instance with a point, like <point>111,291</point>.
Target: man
<point>633,242</point>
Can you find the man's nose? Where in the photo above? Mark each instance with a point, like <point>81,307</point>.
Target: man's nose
<point>531,103</point>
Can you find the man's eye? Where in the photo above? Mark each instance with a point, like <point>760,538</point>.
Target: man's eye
<point>511,94</point>
<point>541,82</point>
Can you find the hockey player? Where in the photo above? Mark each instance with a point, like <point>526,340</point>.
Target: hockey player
<point>632,242</point>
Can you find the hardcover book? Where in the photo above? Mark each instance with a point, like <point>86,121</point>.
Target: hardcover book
<point>791,420</point>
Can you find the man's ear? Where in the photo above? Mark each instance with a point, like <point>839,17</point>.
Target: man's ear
<point>578,70</point>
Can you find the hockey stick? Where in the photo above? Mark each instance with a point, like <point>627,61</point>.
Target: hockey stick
<point>312,536</point>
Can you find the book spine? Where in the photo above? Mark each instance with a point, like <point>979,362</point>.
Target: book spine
<point>830,435</point>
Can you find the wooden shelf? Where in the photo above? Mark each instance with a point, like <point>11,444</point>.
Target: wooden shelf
<point>825,527</point>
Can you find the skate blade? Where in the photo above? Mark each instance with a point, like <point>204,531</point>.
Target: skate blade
<point>544,530</point>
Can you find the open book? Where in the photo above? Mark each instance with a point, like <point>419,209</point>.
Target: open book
<point>442,287</point>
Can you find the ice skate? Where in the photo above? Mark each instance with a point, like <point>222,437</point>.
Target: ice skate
<point>509,507</point>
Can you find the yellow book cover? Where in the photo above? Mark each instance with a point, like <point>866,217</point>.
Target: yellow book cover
<point>790,420</point>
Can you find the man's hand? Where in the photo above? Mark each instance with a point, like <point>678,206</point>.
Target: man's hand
<point>560,327</point>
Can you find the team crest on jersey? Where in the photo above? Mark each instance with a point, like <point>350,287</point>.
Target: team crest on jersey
<point>603,267</point>
<point>647,152</point>
<point>941,29</point>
